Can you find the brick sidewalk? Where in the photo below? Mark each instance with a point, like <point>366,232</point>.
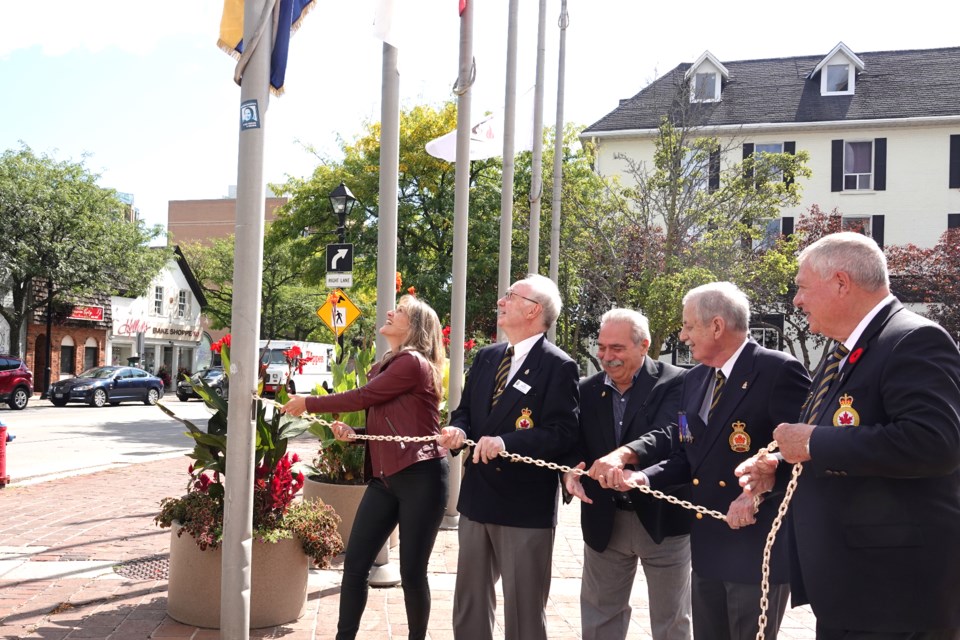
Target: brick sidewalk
<point>84,526</point>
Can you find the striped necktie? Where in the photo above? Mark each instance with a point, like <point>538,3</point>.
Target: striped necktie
<point>500,380</point>
<point>826,377</point>
<point>717,389</point>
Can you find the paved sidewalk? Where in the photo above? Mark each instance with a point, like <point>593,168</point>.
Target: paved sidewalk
<point>80,557</point>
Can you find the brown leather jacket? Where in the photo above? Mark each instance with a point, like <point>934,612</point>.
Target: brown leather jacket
<point>400,401</point>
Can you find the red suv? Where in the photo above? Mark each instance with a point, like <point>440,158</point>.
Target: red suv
<point>16,382</point>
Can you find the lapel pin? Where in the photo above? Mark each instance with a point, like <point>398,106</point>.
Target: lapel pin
<point>526,372</point>
<point>603,395</point>
<point>744,387</point>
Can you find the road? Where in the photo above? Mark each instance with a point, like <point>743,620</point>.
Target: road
<point>54,441</point>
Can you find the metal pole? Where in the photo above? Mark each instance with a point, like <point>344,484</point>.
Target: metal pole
<point>536,164</point>
<point>342,236</point>
<point>245,326</point>
<point>558,160</point>
<point>384,573</point>
<point>47,370</point>
<point>461,205</point>
<point>509,135</point>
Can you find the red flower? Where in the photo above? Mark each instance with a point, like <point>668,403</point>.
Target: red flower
<point>446,331</point>
<point>399,282</point>
<point>469,344</point>
<point>333,298</point>
<point>412,291</point>
<point>853,357</point>
<point>226,340</point>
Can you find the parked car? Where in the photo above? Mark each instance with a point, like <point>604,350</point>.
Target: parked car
<point>111,384</point>
<point>213,376</point>
<point>16,382</point>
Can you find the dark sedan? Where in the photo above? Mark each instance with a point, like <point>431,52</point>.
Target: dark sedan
<point>102,385</point>
<point>213,376</point>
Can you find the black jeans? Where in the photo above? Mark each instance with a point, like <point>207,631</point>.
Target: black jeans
<point>416,499</point>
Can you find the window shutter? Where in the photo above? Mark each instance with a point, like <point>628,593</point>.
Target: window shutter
<point>836,165</point>
<point>786,225</point>
<point>714,182</point>
<point>791,148</point>
<point>880,164</point>
<point>953,221</point>
<point>955,162</point>
<point>877,229</point>
<point>748,153</point>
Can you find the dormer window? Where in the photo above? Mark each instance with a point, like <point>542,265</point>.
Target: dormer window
<point>705,87</point>
<point>838,78</point>
<point>706,77</point>
<point>838,72</point>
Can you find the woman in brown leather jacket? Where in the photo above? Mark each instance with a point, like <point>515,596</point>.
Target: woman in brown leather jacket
<point>407,481</point>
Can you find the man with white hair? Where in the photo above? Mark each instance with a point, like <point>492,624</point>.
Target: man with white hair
<point>730,405</point>
<point>632,397</point>
<point>875,519</point>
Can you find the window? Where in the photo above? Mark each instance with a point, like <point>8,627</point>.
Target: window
<point>91,353</point>
<point>770,234</point>
<point>857,165</point>
<point>183,305</point>
<point>858,224</point>
<point>696,169</point>
<point>67,351</point>
<point>158,301</point>
<point>767,337</point>
<point>705,87</point>
<point>837,78</point>
<point>770,147</point>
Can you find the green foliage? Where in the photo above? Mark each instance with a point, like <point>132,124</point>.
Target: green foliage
<point>59,226</point>
<point>342,462</point>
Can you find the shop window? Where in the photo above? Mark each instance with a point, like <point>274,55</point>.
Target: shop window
<point>68,364</point>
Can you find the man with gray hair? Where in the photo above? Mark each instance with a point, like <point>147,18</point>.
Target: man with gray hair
<point>634,396</point>
<point>875,519</point>
<point>729,406</point>
<point>521,397</point>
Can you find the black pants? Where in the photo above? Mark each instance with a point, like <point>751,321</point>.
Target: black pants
<point>416,499</point>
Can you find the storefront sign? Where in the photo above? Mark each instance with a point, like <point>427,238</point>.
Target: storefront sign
<point>131,327</point>
<point>190,333</point>
<point>84,312</point>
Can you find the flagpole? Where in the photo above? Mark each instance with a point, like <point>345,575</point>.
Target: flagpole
<point>461,203</point>
<point>384,573</point>
<point>558,159</point>
<point>536,165</point>
<point>509,146</point>
<point>245,327</point>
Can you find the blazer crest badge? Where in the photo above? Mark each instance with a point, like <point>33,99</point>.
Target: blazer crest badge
<point>846,415</point>
<point>524,421</point>
<point>739,440</point>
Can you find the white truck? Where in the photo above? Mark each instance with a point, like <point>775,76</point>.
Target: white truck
<point>313,367</point>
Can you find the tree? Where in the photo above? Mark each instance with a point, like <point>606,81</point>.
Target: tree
<point>930,276</point>
<point>689,217</point>
<point>60,228</point>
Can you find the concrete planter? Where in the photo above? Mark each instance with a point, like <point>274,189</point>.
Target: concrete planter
<point>278,582</point>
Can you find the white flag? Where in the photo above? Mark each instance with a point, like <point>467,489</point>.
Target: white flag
<point>486,136</point>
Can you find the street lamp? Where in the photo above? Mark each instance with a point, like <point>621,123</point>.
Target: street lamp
<point>342,201</point>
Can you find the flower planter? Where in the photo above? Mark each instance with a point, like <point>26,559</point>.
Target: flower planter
<point>278,582</point>
<point>345,499</point>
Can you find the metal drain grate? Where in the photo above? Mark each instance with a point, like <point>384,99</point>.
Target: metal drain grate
<point>149,568</point>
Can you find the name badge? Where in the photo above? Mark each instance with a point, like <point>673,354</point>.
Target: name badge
<point>521,386</point>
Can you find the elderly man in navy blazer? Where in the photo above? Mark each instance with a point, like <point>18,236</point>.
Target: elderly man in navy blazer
<point>731,403</point>
<point>633,396</point>
<point>520,397</point>
<point>875,519</point>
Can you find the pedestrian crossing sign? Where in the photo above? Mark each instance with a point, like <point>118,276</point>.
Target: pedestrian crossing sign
<point>338,312</point>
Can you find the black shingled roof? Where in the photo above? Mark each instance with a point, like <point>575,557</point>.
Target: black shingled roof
<point>893,84</point>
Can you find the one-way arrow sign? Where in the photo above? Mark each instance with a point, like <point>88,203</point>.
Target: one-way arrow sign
<point>340,257</point>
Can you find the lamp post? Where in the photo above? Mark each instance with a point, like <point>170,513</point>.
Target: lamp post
<point>342,200</point>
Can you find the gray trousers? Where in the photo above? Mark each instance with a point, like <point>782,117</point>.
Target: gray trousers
<point>522,558</point>
<point>731,610</point>
<point>608,580</point>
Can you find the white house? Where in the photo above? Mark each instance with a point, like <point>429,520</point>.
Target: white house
<point>882,130</point>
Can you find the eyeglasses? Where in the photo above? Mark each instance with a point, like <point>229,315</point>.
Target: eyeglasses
<point>510,293</point>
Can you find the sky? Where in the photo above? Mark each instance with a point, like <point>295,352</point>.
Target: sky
<point>142,95</point>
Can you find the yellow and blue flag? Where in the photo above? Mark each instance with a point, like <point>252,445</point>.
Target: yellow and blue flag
<point>289,17</point>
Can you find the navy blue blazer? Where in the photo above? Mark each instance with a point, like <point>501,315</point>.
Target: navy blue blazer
<point>536,416</point>
<point>653,405</point>
<point>876,514</point>
<point>765,388</point>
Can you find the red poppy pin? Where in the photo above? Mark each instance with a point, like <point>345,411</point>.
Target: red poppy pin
<point>855,355</point>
